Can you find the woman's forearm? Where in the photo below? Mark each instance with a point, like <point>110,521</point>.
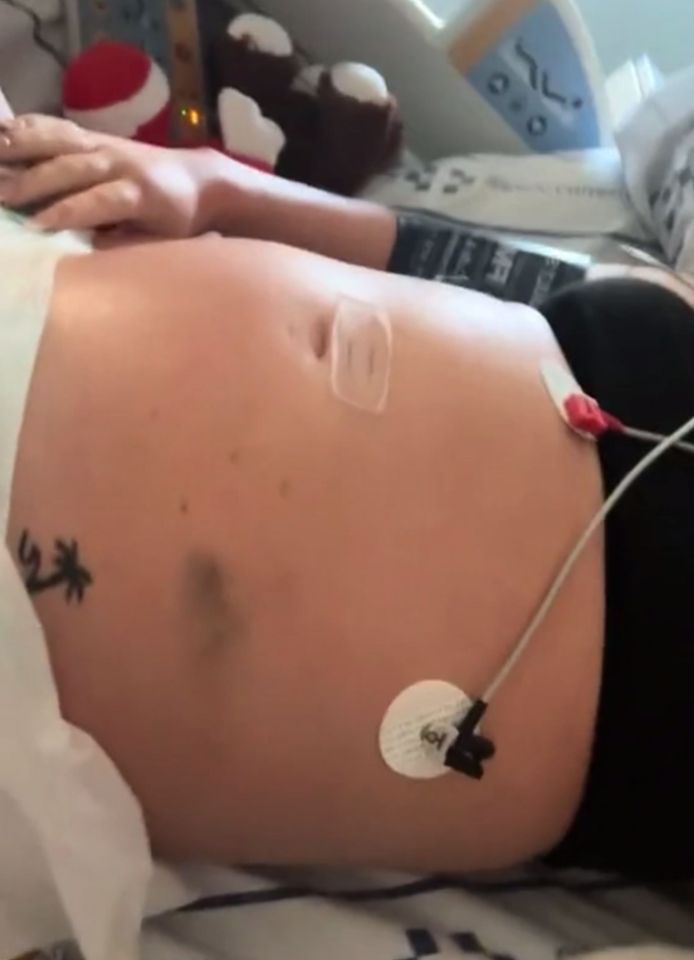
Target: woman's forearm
<point>265,207</point>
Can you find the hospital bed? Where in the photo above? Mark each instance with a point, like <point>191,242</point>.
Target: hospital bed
<point>494,92</point>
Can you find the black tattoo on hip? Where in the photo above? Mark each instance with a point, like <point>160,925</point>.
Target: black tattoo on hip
<point>66,570</point>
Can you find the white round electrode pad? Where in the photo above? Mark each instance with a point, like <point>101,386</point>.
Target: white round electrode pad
<point>432,706</point>
<point>561,385</point>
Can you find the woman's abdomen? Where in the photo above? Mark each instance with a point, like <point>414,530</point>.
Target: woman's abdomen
<point>271,569</point>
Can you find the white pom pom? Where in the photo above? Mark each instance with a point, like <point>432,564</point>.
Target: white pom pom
<point>360,82</point>
<point>266,34</point>
<point>245,131</point>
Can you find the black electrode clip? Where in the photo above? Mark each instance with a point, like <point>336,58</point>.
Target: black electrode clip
<point>470,751</point>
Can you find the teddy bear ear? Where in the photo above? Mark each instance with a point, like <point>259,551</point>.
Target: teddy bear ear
<point>358,130</point>
<point>246,133</point>
<point>255,56</point>
<point>261,34</point>
<point>361,83</point>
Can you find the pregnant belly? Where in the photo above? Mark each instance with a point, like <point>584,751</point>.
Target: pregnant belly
<point>257,606</point>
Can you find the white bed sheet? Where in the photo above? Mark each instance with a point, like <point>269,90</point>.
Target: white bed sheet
<point>529,915</point>
<point>575,202</point>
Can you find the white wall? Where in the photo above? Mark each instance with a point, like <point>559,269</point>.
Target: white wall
<point>624,28</point>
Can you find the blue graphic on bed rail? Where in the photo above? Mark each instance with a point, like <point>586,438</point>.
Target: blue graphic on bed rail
<point>535,80</point>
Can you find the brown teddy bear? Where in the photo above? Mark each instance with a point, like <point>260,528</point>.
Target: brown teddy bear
<point>341,124</point>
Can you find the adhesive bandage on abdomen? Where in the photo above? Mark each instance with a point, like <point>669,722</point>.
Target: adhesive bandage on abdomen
<point>361,353</point>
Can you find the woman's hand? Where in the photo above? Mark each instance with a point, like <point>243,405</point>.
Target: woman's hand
<point>82,180</point>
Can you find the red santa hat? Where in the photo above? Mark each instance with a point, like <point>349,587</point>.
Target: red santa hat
<point>116,88</point>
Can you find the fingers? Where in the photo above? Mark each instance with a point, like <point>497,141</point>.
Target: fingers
<point>70,173</point>
<point>35,137</point>
<point>118,201</point>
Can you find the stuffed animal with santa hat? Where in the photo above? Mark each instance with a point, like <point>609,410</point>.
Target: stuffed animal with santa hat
<point>115,88</point>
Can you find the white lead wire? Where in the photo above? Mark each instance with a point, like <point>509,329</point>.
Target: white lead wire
<point>649,437</point>
<point>629,480</point>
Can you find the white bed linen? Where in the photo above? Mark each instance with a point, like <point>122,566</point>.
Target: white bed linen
<point>532,915</point>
